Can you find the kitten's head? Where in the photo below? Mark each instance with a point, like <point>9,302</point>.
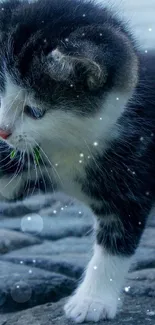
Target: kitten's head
<point>67,71</point>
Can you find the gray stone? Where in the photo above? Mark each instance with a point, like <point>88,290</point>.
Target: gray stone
<point>144,258</point>
<point>68,256</point>
<point>135,311</point>
<point>23,287</point>
<point>10,240</point>
<point>148,237</point>
<point>141,283</point>
<point>71,221</point>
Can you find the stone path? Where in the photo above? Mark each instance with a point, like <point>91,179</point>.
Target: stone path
<point>45,243</point>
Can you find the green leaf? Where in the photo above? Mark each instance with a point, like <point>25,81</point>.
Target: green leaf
<point>12,154</point>
<point>37,155</point>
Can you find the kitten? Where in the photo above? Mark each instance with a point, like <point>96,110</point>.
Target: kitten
<point>74,85</point>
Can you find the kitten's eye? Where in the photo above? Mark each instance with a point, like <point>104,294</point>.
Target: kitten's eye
<point>33,112</point>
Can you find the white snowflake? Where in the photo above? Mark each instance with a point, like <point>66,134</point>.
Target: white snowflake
<point>95,267</point>
<point>127,289</point>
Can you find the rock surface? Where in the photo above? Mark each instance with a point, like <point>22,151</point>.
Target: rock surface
<point>139,311</point>
<point>45,244</point>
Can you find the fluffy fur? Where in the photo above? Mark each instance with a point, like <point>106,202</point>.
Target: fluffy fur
<point>78,67</point>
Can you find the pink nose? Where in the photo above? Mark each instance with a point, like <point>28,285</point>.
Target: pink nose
<point>4,134</point>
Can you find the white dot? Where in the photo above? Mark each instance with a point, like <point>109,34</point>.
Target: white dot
<point>32,224</point>
<point>83,34</point>
<point>101,34</point>
<point>30,271</point>
<point>81,155</point>
<point>66,39</point>
<point>77,96</point>
<point>56,165</point>
<point>111,280</point>
<point>65,206</point>
<point>95,144</point>
<point>21,292</point>
<point>2,9</point>
<point>84,15</point>
<point>150,29</point>
<point>42,21</point>
<point>80,212</point>
<point>147,193</point>
<point>139,223</point>
<point>95,267</point>
<point>34,261</point>
<point>45,40</point>
<point>117,98</point>
<point>152,134</point>
<point>71,85</point>
<point>54,211</point>
<point>119,299</point>
<point>100,118</point>
<point>21,262</point>
<point>133,173</point>
<point>62,208</point>
<point>80,161</point>
<point>127,289</point>
<point>146,51</point>
<point>94,309</point>
<point>141,138</point>
<point>88,157</point>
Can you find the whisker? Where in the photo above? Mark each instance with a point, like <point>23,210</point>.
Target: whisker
<point>40,148</point>
<point>17,171</point>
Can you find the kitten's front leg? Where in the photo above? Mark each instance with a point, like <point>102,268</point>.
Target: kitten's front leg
<point>97,297</point>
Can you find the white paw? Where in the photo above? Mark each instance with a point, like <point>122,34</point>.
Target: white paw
<point>84,308</point>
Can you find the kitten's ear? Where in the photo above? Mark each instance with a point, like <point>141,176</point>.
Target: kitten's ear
<point>76,67</point>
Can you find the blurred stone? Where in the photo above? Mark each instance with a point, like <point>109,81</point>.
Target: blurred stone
<point>10,240</point>
<point>38,285</point>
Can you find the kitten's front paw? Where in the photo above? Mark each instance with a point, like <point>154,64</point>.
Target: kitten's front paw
<point>82,308</point>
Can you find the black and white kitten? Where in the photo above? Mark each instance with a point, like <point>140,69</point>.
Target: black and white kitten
<point>74,85</point>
